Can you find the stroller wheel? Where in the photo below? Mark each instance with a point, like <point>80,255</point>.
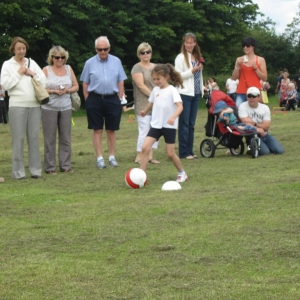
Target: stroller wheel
<point>254,147</point>
<point>238,150</point>
<point>207,148</point>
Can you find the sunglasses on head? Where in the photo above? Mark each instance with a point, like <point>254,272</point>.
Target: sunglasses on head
<point>252,96</point>
<point>59,57</point>
<point>145,52</point>
<point>102,49</point>
<point>190,34</point>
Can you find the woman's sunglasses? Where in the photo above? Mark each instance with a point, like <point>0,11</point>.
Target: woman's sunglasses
<point>59,57</point>
<point>145,52</point>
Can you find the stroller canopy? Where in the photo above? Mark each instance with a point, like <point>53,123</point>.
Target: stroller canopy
<point>217,95</point>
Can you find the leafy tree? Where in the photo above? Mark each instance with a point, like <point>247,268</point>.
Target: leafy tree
<point>219,25</point>
<point>226,24</point>
<point>276,49</point>
<point>25,19</point>
<point>292,33</point>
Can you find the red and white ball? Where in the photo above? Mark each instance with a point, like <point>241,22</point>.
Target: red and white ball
<point>136,178</point>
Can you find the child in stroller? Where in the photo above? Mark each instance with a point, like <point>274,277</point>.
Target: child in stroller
<point>227,132</point>
<point>227,116</point>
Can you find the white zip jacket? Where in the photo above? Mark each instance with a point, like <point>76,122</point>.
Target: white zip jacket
<point>187,76</point>
<point>19,87</point>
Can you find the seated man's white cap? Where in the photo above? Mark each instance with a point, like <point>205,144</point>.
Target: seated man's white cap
<point>253,91</point>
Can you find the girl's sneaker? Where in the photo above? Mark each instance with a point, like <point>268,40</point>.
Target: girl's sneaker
<point>182,177</point>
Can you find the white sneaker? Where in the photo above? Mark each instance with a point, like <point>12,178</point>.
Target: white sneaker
<point>113,163</point>
<point>182,177</point>
<point>100,164</point>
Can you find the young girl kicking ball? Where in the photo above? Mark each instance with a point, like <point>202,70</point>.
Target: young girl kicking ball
<point>166,105</point>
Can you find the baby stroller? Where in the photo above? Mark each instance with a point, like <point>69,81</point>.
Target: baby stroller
<point>224,135</point>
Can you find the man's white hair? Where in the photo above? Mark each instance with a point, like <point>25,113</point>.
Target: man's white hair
<point>102,38</point>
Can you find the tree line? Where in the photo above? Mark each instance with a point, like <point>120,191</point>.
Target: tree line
<point>220,26</point>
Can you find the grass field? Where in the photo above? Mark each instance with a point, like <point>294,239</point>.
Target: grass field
<point>232,232</point>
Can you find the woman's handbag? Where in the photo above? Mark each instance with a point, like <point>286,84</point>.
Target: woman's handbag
<point>75,99</point>
<point>76,102</point>
<point>264,97</point>
<point>41,94</point>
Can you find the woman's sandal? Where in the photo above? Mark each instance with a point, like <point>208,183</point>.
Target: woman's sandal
<point>51,172</point>
<point>67,171</point>
<point>154,161</point>
<point>190,157</point>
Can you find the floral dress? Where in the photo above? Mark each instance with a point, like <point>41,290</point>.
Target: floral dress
<point>283,87</point>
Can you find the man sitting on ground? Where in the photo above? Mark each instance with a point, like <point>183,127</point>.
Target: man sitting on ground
<point>257,114</point>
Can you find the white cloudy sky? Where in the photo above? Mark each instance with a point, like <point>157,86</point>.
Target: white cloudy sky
<point>280,11</point>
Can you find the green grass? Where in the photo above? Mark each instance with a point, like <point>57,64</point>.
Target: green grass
<point>232,232</point>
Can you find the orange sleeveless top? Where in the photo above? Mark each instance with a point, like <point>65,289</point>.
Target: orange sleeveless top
<point>248,78</point>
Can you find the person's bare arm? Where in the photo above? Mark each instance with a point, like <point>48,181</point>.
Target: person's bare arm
<point>177,112</point>
<point>227,110</point>
<point>85,86</point>
<point>121,89</point>
<point>265,125</point>
<point>138,79</point>
<point>148,107</point>
<point>236,72</point>
<point>261,72</point>
<point>75,86</point>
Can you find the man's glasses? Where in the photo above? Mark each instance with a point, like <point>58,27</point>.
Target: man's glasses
<point>145,52</point>
<point>59,57</point>
<point>252,96</point>
<point>102,49</point>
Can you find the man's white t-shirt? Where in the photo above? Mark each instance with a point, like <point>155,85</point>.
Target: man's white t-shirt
<point>258,114</point>
<point>164,106</point>
<point>232,84</point>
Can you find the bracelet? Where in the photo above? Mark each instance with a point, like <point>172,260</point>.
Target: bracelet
<point>237,68</point>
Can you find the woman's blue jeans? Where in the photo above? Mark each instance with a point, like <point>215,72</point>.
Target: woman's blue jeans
<point>187,120</point>
<point>240,98</point>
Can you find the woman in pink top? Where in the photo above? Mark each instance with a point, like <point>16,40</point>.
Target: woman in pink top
<point>249,70</point>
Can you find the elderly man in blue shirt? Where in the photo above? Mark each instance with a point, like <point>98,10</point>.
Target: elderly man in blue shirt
<point>103,87</point>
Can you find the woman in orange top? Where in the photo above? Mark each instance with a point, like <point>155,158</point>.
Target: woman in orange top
<point>249,70</point>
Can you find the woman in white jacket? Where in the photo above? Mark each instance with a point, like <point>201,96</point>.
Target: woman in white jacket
<point>24,110</point>
<point>188,64</point>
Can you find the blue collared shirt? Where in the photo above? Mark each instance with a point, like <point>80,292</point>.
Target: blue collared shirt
<point>103,76</point>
